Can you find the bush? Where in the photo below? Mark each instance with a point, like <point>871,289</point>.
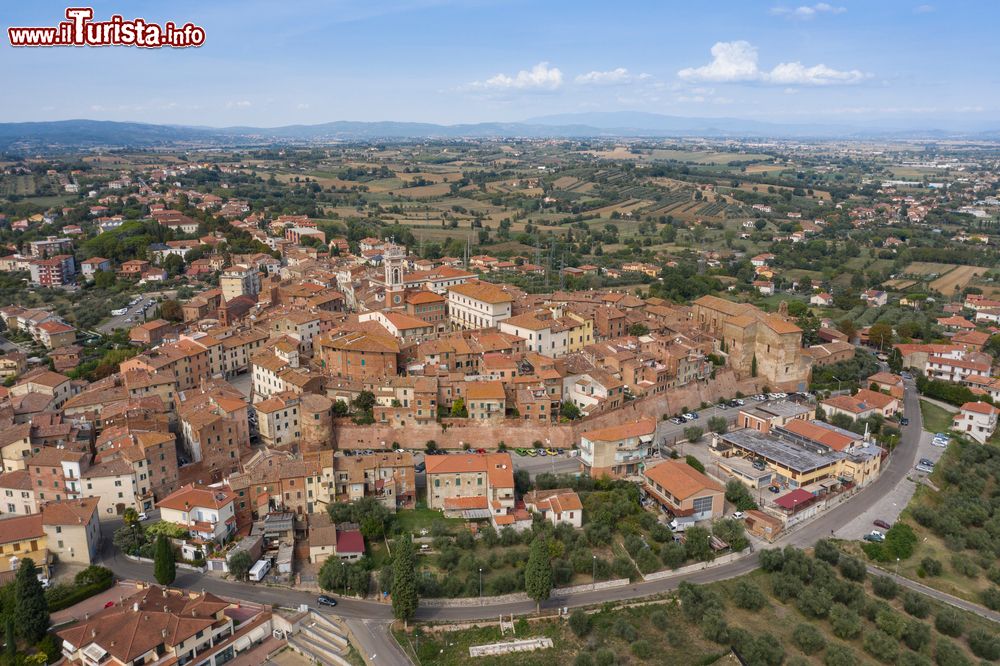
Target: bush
<point>991,598</point>
<point>808,638</point>
<point>660,620</point>
<point>963,565</point>
<point>949,622</point>
<point>642,649</point>
<point>673,554</point>
<point>891,623</point>
<point>714,627</point>
<point>693,434</point>
<point>747,595</point>
<point>846,624</point>
<point>916,635</point>
<point>839,655</point>
<point>624,630</point>
<point>583,659</point>
<point>63,596</point>
<point>984,644</point>
<point>885,587</point>
<point>739,494</point>
<point>947,653</point>
<point>580,623</point>
<point>605,657</point>
<point>931,567</point>
<point>694,462</point>
<point>852,568</point>
<point>882,646</point>
<point>785,586</point>
<point>916,604</point>
<point>815,602</point>
<point>772,560</point>
<point>827,551</point>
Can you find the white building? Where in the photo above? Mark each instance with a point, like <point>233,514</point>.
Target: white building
<point>978,420</point>
<point>478,305</point>
<point>207,512</point>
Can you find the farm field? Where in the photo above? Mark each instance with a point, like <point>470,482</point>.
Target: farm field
<point>927,268</point>
<point>956,279</point>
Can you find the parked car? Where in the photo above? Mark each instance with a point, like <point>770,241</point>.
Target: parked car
<point>739,401</point>
<point>420,467</point>
<point>552,452</point>
<point>927,461</point>
<point>881,523</point>
<point>540,452</point>
<point>690,416</point>
<point>876,536</point>
<point>521,452</point>
<point>109,604</point>
<point>532,453</point>
<point>142,515</point>
<point>722,405</point>
<point>738,515</point>
<point>904,421</point>
<point>774,489</point>
<point>869,537</point>
<point>758,464</point>
<point>924,468</point>
<point>324,600</point>
<point>677,420</point>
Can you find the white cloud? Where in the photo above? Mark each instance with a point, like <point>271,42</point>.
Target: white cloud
<point>241,104</point>
<point>539,77</point>
<point>734,62</point>
<point>806,12</point>
<point>923,9</point>
<point>614,77</point>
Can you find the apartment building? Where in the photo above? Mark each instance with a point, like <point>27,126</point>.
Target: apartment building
<point>617,451</point>
<point>977,420</point>
<point>208,512</point>
<point>480,484</point>
<point>478,305</point>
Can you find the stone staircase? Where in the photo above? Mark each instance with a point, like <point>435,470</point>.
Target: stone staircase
<point>321,639</point>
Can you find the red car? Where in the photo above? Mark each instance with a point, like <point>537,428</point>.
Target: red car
<point>109,604</point>
<point>881,523</point>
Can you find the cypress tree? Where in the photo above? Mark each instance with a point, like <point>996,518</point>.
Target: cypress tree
<point>538,572</point>
<point>404,580</point>
<point>30,607</point>
<point>10,639</point>
<point>164,566</point>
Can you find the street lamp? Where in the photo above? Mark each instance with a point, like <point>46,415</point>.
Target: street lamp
<point>593,576</point>
<point>897,567</point>
<point>480,586</point>
<point>343,569</point>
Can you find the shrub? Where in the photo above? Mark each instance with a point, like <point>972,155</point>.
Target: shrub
<point>583,659</point>
<point>605,657</point>
<point>949,622</point>
<point>947,653</point>
<point>964,565</point>
<point>624,630</point>
<point>673,554</point>
<point>827,551</point>
<point>771,560</point>
<point>764,649</point>
<point>852,568</point>
<point>580,623</point>
<point>697,601</point>
<point>642,649</point>
<point>747,595</point>
<point>739,494</point>
<point>714,627</point>
<point>839,655</point>
<point>984,644</point>
<point>785,586</point>
<point>815,602</point>
<point>647,561</point>
<point>885,587</point>
<point>691,460</point>
<point>882,646</point>
<point>846,623</point>
<point>891,623</point>
<point>916,604</point>
<point>931,567</point>
<point>659,619</point>
<point>916,635</point>
<point>991,598</point>
<point>808,638</point>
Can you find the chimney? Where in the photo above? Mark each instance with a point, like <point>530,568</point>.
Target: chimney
<point>163,633</point>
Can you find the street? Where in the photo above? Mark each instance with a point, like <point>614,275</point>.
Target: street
<point>877,497</point>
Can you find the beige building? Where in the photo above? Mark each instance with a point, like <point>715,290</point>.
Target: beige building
<point>684,491</point>
<point>72,530</point>
<point>278,419</point>
<point>116,485</point>
<point>485,400</point>
<point>478,305</point>
<point>240,280</point>
<point>17,497</point>
<point>618,451</point>
<point>559,506</point>
<point>457,484</point>
<point>208,512</point>
<point>15,446</point>
<point>388,477</point>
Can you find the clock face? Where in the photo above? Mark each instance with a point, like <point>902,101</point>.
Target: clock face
<point>396,298</point>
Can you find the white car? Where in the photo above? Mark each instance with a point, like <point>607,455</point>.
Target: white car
<point>737,515</point>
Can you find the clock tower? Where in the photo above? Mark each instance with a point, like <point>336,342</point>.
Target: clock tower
<point>394,262</point>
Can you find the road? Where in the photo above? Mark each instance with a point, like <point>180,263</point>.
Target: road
<point>137,313</point>
<point>379,614</point>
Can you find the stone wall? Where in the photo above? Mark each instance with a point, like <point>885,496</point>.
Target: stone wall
<point>455,433</point>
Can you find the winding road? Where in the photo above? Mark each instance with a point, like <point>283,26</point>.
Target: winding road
<point>369,620</point>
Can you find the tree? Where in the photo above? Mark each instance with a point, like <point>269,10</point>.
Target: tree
<point>880,335</point>
<point>694,462</point>
<point>164,565</point>
<point>538,572</point>
<point>240,564</point>
<point>916,604</point>
<point>104,279</point>
<point>984,644</point>
<point>579,622</point>
<point>129,539</point>
<point>808,638</point>
<point>10,639</point>
<point>885,587</point>
<point>130,517</point>
<point>718,424</point>
<point>748,596</point>
<point>949,622</point>
<point>171,310</point>
<point>569,410</point>
<point>845,622</point>
<point>173,265</point>
<point>693,433</point>
<point>696,544</point>
<point>404,580</point>
<point>739,495</point>
<point>458,409</point>
<point>638,329</point>
<point>30,607</point>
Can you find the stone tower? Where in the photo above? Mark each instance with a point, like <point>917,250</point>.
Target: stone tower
<point>394,262</point>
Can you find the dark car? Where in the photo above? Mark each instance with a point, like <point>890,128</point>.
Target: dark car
<point>774,489</point>
<point>904,421</point>
<point>881,523</point>
<point>420,467</point>
<point>324,600</point>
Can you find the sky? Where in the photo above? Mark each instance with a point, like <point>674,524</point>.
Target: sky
<point>268,63</point>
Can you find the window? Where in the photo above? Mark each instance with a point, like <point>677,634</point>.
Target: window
<point>702,505</point>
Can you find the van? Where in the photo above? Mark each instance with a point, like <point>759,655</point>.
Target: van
<point>678,527</point>
<point>259,570</point>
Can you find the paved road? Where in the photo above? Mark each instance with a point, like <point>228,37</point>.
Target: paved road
<point>896,468</point>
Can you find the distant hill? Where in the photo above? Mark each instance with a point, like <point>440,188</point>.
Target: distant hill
<point>74,134</point>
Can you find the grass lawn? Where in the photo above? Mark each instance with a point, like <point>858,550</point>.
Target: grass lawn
<point>936,419</point>
<point>413,520</point>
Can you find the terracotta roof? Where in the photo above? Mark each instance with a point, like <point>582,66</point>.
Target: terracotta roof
<point>21,528</point>
<point>817,433</point>
<point>680,479</point>
<point>482,291</point>
<point>492,390</point>
<point>478,502</point>
<point>189,496</point>
<point>69,512</point>
<point>645,426</point>
<point>979,408</point>
<point>498,466</point>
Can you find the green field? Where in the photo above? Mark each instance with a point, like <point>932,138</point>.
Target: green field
<point>936,419</point>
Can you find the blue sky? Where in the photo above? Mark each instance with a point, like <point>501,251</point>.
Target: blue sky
<point>272,63</point>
